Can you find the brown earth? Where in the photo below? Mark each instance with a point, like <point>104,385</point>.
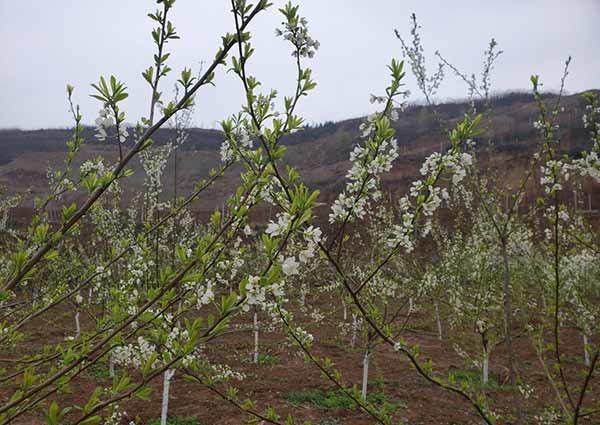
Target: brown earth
<point>275,382</point>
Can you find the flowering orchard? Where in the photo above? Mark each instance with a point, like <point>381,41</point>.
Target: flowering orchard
<point>461,258</point>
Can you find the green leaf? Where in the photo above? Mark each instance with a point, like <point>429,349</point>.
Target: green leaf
<point>91,421</point>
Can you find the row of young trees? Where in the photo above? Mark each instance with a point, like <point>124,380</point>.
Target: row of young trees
<point>150,289</point>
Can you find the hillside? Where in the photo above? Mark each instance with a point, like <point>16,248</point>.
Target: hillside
<point>320,153</point>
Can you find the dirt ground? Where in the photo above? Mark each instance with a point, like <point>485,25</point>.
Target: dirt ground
<point>283,376</point>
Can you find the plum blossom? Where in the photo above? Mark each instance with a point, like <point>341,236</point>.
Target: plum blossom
<point>103,122</point>
<point>368,163</point>
<point>290,266</point>
<point>278,228</point>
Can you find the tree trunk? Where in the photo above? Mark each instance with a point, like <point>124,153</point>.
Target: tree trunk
<point>508,330</point>
<point>111,366</point>
<point>586,353</point>
<point>255,354</point>
<point>354,330</point>
<point>77,325</point>
<point>365,378</point>
<point>168,375</point>
<point>438,319</point>
<point>302,296</point>
<point>486,367</point>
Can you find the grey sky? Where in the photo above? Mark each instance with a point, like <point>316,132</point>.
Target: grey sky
<point>47,44</point>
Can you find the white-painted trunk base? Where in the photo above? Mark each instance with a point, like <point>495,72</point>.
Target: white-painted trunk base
<point>111,366</point>
<point>302,296</point>
<point>77,326</point>
<point>438,320</point>
<point>365,378</point>
<point>255,354</point>
<point>486,368</point>
<point>586,353</point>
<point>168,375</point>
<point>354,330</point>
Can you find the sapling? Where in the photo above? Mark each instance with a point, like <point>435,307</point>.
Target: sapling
<point>154,161</point>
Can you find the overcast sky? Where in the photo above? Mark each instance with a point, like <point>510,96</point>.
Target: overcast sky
<point>47,44</point>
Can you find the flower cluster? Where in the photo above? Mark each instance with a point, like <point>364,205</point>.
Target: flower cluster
<point>295,30</point>
<point>104,122</point>
<point>134,355</point>
<point>117,416</point>
<point>290,266</point>
<point>424,196</point>
<point>96,167</point>
<point>221,372</point>
<point>552,174</point>
<point>368,163</point>
<point>577,271</point>
<point>590,122</point>
<point>312,237</point>
<point>203,293</point>
<point>303,336</point>
<point>275,229</point>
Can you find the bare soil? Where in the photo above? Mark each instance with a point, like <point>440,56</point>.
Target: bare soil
<point>285,373</point>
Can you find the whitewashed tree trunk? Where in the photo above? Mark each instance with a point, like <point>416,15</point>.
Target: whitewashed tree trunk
<point>586,353</point>
<point>354,330</point>
<point>168,375</point>
<point>302,296</point>
<point>345,310</point>
<point>486,367</point>
<point>410,305</point>
<point>255,354</point>
<point>365,378</point>
<point>438,320</point>
<point>111,366</point>
<point>77,325</point>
